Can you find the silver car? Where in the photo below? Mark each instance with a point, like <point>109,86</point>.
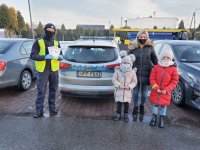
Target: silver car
<point>88,67</point>
<point>16,69</point>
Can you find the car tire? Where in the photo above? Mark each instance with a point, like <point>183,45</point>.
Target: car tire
<point>25,80</point>
<point>178,95</point>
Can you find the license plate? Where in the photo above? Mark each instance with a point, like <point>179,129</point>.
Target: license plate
<point>89,74</point>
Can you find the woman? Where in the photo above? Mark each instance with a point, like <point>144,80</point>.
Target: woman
<point>142,48</point>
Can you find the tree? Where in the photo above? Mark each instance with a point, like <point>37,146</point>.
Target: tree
<point>111,30</point>
<point>39,30</point>
<point>26,31</point>
<point>181,25</point>
<point>63,31</point>
<point>21,22</point>
<point>198,29</point>
<point>13,25</point>
<point>155,27</point>
<point>197,35</point>
<point>4,16</point>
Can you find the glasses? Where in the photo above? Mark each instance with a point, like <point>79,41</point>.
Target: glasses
<point>50,29</point>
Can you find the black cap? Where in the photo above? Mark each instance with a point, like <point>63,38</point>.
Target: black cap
<point>49,25</point>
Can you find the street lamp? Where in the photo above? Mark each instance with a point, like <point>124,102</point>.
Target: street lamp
<point>193,18</point>
<point>31,19</point>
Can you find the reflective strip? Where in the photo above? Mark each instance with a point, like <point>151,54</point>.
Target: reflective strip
<point>155,85</point>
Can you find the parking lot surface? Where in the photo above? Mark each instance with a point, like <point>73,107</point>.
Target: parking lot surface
<point>17,103</point>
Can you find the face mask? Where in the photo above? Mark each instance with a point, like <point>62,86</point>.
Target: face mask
<point>49,34</point>
<point>165,63</point>
<point>142,41</point>
<point>125,67</point>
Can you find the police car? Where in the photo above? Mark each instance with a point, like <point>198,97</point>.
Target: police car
<point>88,67</point>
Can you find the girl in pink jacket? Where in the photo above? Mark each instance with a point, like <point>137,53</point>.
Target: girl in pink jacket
<point>124,80</point>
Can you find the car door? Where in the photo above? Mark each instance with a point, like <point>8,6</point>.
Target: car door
<point>26,51</point>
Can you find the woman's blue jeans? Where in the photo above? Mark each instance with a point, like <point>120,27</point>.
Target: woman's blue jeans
<point>144,91</point>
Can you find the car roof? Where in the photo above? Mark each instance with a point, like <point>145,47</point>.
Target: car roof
<point>14,39</point>
<point>95,42</point>
<point>177,42</point>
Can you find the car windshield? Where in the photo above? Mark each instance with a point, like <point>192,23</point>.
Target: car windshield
<point>187,53</point>
<point>5,45</point>
<point>88,54</point>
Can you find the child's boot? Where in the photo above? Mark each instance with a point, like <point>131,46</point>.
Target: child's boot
<point>126,117</point>
<point>141,113</point>
<point>135,114</point>
<point>161,122</point>
<point>153,120</point>
<point>116,117</point>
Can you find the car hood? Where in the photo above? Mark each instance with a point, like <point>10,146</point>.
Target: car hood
<point>195,66</point>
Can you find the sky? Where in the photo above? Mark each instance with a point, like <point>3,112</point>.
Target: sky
<point>105,12</point>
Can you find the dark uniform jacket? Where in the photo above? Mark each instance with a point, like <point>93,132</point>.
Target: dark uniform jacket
<point>36,49</point>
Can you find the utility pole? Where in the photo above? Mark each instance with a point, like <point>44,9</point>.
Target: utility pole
<point>31,19</point>
<point>121,22</point>
<point>193,18</point>
<point>154,14</point>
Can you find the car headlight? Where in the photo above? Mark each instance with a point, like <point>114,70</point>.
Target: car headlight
<point>194,78</point>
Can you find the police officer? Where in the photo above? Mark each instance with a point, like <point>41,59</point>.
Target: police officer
<point>47,67</point>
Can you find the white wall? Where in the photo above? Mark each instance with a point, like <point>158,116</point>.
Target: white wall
<point>160,22</point>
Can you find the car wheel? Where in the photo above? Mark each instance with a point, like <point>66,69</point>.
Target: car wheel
<point>178,95</point>
<point>25,80</point>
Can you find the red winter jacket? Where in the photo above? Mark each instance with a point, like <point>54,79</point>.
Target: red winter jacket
<point>163,78</point>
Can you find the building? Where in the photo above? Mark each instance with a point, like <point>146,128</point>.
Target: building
<point>2,33</point>
<point>92,27</point>
<point>151,22</point>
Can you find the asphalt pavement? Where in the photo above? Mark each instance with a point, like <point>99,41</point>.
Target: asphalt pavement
<point>66,133</point>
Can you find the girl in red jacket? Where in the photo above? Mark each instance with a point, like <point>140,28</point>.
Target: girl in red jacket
<point>163,79</point>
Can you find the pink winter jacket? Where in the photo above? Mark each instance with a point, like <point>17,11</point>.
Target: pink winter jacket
<point>130,79</point>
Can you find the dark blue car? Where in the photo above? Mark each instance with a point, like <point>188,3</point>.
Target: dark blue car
<point>187,57</point>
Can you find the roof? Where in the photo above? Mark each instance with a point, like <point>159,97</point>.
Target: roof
<point>15,39</point>
<point>179,42</point>
<point>95,42</point>
<point>149,30</point>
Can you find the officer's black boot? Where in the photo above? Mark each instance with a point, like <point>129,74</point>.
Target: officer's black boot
<point>153,120</point>
<point>116,116</point>
<point>126,117</point>
<point>135,114</point>
<point>141,113</point>
<point>161,122</point>
<point>38,114</point>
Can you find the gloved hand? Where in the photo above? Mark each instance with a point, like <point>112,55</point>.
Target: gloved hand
<point>49,56</point>
<point>60,57</point>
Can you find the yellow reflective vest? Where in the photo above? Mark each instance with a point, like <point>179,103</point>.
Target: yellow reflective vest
<point>40,65</point>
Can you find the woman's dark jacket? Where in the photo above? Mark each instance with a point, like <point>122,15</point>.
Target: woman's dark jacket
<point>145,60</point>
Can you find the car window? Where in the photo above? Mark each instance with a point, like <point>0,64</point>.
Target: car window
<point>28,46</point>
<point>187,53</point>
<point>83,54</point>
<point>157,48</point>
<point>5,46</point>
<point>23,51</point>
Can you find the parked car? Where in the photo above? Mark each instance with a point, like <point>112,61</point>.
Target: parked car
<point>16,69</point>
<point>88,67</point>
<point>187,57</point>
